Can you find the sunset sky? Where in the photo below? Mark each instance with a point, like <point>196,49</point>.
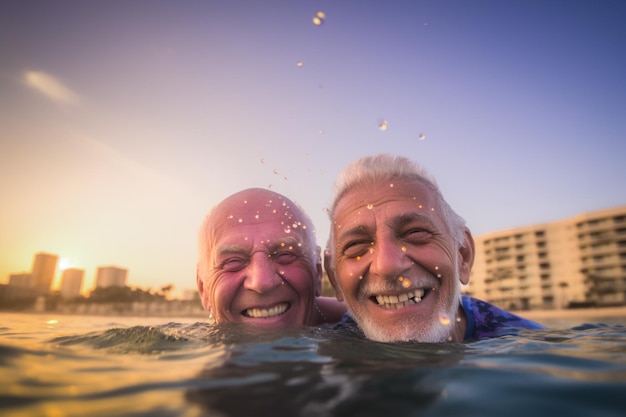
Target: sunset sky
<point>123,122</point>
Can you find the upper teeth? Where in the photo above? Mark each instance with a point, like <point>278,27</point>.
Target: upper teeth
<point>398,301</point>
<point>266,312</point>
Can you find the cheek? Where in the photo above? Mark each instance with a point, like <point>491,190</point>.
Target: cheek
<point>222,291</point>
<point>301,279</point>
<point>432,258</point>
<point>350,273</point>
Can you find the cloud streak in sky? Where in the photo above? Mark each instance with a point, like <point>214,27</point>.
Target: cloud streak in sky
<point>50,87</point>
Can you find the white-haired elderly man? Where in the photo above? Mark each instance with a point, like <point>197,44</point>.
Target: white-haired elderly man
<point>398,255</point>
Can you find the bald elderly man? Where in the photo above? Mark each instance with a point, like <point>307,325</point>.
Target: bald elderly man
<point>259,264</point>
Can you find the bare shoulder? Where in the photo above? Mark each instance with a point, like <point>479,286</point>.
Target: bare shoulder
<point>331,309</point>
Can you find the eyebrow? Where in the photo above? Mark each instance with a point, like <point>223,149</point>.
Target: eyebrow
<point>357,231</point>
<point>271,247</point>
<point>408,218</point>
<point>395,222</point>
<point>286,241</point>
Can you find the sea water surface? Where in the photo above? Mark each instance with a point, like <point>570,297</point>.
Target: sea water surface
<point>61,365</point>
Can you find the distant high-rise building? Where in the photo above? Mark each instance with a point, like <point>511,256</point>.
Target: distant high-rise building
<point>44,268</point>
<point>110,276</point>
<point>71,282</point>
<point>21,280</point>
<point>580,261</point>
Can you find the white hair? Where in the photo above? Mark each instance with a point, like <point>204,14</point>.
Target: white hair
<point>371,170</point>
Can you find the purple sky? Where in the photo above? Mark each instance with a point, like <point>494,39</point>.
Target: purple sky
<point>122,123</point>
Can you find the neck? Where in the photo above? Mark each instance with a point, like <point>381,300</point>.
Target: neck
<point>457,333</point>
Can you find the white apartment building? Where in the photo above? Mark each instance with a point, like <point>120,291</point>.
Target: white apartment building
<point>43,271</point>
<point>111,276</point>
<point>71,282</point>
<point>580,261</point>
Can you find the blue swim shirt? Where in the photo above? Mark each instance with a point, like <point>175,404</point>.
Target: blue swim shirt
<point>485,320</point>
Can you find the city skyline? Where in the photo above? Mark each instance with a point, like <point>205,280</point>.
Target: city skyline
<point>123,123</point>
<point>60,269</point>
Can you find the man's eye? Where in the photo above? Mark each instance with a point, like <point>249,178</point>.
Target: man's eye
<point>417,235</point>
<point>233,264</point>
<point>284,258</point>
<point>356,248</point>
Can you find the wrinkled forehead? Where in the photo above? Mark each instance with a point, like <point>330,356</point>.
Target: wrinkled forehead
<point>380,194</point>
<point>257,211</point>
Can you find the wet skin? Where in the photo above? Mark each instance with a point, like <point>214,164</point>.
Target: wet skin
<point>396,265</point>
<point>261,270</point>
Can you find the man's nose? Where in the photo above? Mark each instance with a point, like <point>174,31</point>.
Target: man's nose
<point>389,259</point>
<point>261,275</point>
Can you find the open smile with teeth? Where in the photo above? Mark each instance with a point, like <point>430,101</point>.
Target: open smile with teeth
<point>266,313</point>
<point>393,302</point>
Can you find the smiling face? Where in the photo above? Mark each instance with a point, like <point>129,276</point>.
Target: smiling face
<point>396,265</point>
<point>261,268</point>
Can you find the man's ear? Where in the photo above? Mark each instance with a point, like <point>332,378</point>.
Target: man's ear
<point>330,271</point>
<point>201,291</point>
<point>466,258</point>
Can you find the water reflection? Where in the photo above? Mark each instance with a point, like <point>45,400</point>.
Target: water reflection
<point>319,372</point>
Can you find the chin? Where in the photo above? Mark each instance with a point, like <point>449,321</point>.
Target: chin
<point>407,333</point>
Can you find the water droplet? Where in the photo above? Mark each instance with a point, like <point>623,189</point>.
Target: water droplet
<point>360,276</point>
<point>391,185</point>
<point>420,206</point>
<point>319,17</point>
<point>400,278</point>
<point>403,248</point>
<point>240,220</point>
<point>422,136</point>
<point>370,206</point>
<point>270,186</point>
<point>371,250</point>
<point>262,160</point>
<point>444,320</point>
<point>438,275</point>
<point>382,125</point>
<point>358,258</point>
<point>287,230</point>
<point>436,268</point>
<point>458,319</point>
<point>256,216</point>
<point>432,209</point>
<point>299,64</point>
<point>275,170</point>
<point>406,283</point>
<point>282,244</point>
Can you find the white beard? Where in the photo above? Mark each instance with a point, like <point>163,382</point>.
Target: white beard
<point>413,329</point>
